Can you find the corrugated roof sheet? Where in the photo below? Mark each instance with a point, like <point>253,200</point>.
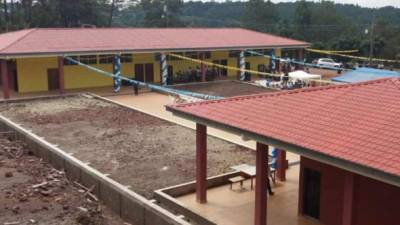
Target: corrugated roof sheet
<point>69,40</point>
<point>359,123</point>
<point>365,74</point>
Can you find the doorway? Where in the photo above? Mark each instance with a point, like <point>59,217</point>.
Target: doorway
<point>144,72</point>
<point>247,74</point>
<point>219,70</point>
<point>149,72</point>
<point>53,79</point>
<point>312,185</point>
<point>139,72</point>
<point>170,78</point>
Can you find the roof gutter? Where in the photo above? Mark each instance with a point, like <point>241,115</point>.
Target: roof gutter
<point>138,51</point>
<point>308,153</point>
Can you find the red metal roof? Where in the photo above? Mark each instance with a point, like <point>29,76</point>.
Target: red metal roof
<point>358,123</point>
<point>69,40</point>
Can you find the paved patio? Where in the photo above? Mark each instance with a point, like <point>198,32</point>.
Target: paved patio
<point>226,207</point>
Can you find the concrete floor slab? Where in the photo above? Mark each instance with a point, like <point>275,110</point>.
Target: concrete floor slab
<point>227,207</point>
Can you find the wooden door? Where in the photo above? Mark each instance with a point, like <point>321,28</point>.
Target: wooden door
<point>53,79</point>
<point>224,71</point>
<point>312,185</point>
<point>149,72</point>
<point>139,72</point>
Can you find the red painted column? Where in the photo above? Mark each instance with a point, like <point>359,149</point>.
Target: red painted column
<point>203,68</point>
<point>4,79</point>
<point>349,200</point>
<point>260,217</point>
<point>301,54</point>
<point>61,79</point>
<point>281,165</point>
<point>301,188</point>
<point>201,163</point>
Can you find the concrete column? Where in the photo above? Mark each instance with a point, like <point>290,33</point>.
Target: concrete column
<point>61,79</point>
<point>349,200</point>
<point>260,217</point>
<point>117,73</point>
<point>273,61</point>
<point>164,70</point>
<point>201,163</point>
<point>4,79</point>
<point>281,165</point>
<point>203,68</point>
<point>242,65</point>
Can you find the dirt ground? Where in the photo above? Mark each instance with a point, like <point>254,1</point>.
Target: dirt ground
<point>32,192</point>
<point>136,149</point>
<point>224,88</point>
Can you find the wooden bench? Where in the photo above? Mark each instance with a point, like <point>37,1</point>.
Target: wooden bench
<point>237,179</point>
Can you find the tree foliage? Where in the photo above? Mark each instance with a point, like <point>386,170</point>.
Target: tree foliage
<point>323,23</point>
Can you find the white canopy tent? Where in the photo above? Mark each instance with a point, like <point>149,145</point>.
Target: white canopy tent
<point>301,75</point>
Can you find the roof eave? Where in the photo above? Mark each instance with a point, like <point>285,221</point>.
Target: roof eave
<point>308,153</point>
<point>138,51</point>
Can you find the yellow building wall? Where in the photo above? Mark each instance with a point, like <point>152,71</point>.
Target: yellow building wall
<point>80,77</point>
<point>32,72</point>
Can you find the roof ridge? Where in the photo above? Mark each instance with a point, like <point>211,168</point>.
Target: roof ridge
<point>20,38</point>
<point>302,90</point>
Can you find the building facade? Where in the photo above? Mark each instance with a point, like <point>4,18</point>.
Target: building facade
<point>32,59</point>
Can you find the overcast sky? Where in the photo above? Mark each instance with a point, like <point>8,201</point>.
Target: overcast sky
<point>365,3</point>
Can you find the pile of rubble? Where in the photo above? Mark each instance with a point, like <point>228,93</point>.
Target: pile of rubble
<point>32,192</point>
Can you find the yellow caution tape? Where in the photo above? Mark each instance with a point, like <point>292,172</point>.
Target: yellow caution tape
<point>354,57</point>
<point>331,51</point>
<point>239,69</point>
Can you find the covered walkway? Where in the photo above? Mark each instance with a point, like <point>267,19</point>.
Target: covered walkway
<point>226,207</point>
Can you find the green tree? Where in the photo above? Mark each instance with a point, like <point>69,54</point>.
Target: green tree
<point>260,15</point>
<point>162,13</point>
<point>302,20</point>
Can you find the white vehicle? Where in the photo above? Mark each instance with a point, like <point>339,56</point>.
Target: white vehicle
<point>327,62</point>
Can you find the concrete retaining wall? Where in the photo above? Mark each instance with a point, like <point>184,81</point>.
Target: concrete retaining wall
<point>167,196</point>
<point>132,207</point>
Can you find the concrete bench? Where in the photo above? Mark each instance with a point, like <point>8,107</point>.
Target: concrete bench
<point>237,179</point>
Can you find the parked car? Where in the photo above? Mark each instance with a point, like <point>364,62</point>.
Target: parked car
<point>327,62</point>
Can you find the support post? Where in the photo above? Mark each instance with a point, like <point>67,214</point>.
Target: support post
<point>349,200</point>
<point>261,184</point>
<point>301,55</point>
<point>242,65</point>
<point>61,82</point>
<point>301,187</point>
<point>201,163</point>
<point>203,68</point>
<point>281,165</point>
<point>272,61</point>
<point>117,73</point>
<point>4,79</point>
<point>164,70</point>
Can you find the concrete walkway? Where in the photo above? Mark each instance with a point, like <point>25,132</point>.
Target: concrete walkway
<point>154,103</point>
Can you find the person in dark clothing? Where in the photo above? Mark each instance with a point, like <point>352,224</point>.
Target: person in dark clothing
<point>286,70</point>
<point>136,88</point>
<point>270,192</point>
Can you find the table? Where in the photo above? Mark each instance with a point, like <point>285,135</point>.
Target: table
<point>248,170</point>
